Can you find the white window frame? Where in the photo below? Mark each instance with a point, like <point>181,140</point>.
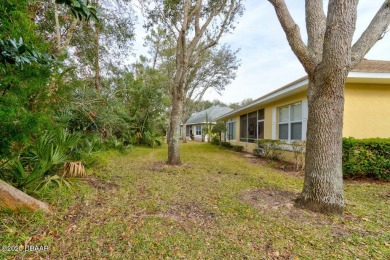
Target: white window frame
<point>260,120</point>
<point>198,128</point>
<point>231,124</point>
<point>289,122</point>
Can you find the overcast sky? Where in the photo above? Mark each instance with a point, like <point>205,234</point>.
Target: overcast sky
<point>267,61</point>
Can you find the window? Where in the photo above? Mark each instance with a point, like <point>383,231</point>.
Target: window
<point>231,131</point>
<point>198,130</point>
<point>290,122</point>
<point>252,126</point>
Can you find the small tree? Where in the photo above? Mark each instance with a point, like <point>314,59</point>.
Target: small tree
<point>219,128</point>
<point>197,26</point>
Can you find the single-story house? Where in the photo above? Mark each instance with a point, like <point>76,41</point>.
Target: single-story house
<point>196,123</point>
<point>282,114</point>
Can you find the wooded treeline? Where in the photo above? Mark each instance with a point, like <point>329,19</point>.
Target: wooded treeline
<point>68,89</point>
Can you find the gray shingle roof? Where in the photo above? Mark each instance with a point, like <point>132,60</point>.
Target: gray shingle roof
<point>373,66</point>
<point>212,113</point>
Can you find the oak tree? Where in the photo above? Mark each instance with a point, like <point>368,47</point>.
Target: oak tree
<point>196,26</point>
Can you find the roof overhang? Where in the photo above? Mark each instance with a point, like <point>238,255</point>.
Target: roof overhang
<point>201,123</point>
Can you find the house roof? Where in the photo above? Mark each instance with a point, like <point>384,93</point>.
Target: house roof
<point>208,115</point>
<point>381,66</point>
<point>366,70</point>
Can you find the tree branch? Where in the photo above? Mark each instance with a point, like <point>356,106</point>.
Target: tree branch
<point>58,33</point>
<point>293,35</point>
<point>197,13</point>
<point>374,32</point>
<point>315,26</point>
<point>222,30</point>
<point>69,37</point>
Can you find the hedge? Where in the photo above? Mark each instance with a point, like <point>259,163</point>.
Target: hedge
<point>366,158</point>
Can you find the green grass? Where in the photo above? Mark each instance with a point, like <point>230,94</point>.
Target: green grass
<point>140,208</point>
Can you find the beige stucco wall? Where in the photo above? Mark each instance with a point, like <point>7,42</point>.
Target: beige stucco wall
<point>367,111</point>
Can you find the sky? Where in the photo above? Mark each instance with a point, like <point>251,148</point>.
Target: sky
<point>267,61</point>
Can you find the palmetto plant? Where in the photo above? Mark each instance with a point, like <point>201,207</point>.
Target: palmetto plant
<point>59,181</point>
<point>152,139</point>
<point>43,160</point>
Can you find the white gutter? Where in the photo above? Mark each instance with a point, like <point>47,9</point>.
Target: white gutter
<point>377,75</point>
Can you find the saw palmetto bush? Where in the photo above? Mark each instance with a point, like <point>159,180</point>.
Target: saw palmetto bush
<point>45,159</point>
<point>152,139</point>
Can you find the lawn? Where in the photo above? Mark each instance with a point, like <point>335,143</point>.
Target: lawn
<point>218,204</point>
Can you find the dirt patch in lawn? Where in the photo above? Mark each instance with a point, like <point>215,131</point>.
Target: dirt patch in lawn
<point>186,215</point>
<point>189,216</point>
<point>266,200</point>
<point>165,168</point>
<point>193,212</point>
<point>281,203</point>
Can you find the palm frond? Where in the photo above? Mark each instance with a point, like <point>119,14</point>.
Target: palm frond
<point>74,169</point>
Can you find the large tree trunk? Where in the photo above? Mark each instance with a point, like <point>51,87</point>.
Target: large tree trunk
<point>174,131</point>
<point>323,187</point>
<point>14,199</point>
<point>177,100</point>
<point>327,58</point>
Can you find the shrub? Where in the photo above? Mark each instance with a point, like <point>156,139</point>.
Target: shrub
<point>226,144</point>
<point>299,149</point>
<point>366,158</point>
<point>215,140</point>
<point>269,148</point>
<point>238,148</point>
<point>152,139</point>
<point>44,158</point>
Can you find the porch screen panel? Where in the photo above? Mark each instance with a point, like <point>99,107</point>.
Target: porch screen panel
<point>243,128</point>
<point>260,124</point>
<point>260,114</point>
<point>252,127</point>
<point>260,130</point>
